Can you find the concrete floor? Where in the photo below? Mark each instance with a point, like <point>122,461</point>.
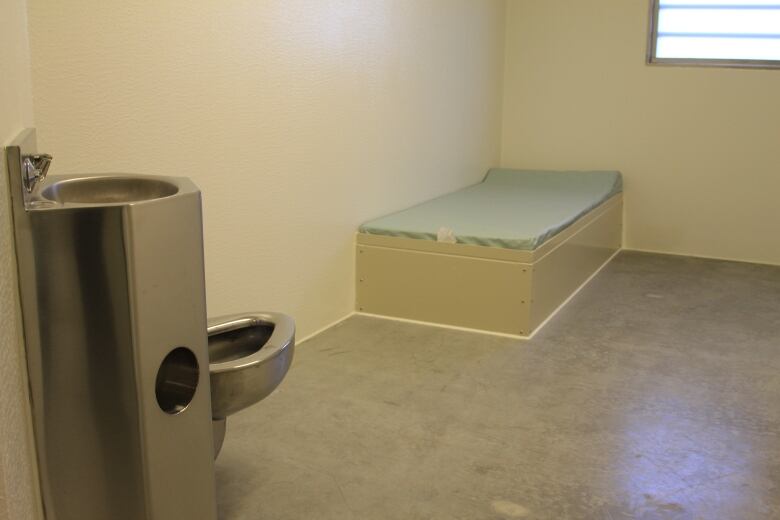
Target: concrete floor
<point>654,394</point>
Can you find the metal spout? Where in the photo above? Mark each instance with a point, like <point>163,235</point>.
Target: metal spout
<point>34,169</point>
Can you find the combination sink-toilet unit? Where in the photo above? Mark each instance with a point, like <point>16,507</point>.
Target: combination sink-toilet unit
<point>126,418</point>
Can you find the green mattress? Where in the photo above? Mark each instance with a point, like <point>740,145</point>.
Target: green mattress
<point>510,209</point>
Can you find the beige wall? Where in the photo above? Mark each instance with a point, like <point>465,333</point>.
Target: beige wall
<point>18,483</point>
<point>299,119</point>
<point>698,146</point>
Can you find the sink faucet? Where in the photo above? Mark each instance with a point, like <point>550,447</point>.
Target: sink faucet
<point>34,169</point>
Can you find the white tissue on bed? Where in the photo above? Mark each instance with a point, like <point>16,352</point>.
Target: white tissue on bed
<point>446,235</point>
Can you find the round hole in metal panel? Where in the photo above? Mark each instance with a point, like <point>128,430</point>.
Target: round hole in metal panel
<point>177,380</point>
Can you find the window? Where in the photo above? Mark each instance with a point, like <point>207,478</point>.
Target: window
<point>734,33</point>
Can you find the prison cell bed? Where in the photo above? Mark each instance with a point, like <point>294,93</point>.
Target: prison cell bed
<point>499,256</point>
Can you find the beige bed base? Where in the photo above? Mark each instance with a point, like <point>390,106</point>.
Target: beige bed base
<point>491,289</point>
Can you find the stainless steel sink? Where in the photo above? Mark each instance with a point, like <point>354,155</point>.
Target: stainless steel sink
<point>106,189</point>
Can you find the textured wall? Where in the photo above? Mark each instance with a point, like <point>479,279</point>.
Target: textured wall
<point>698,146</point>
<point>18,483</point>
<point>298,119</point>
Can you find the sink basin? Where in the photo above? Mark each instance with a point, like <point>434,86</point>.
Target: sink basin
<point>113,189</point>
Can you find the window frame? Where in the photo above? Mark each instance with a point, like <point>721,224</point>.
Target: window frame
<point>655,8</point>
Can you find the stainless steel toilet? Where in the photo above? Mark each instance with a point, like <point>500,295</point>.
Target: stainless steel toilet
<point>249,355</point>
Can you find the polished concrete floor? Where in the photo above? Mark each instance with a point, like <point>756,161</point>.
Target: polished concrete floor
<point>654,394</point>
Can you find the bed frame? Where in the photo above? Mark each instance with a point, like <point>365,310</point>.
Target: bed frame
<point>491,289</point>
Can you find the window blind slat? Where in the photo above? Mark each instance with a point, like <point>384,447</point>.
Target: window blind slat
<point>718,48</point>
<point>719,21</point>
<point>708,4</point>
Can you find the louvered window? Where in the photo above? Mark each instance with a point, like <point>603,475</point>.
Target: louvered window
<point>716,32</point>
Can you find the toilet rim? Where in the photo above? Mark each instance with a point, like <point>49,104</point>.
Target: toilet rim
<point>281,338</point>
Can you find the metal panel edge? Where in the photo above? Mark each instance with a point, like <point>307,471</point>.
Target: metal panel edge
<point>23,144</point>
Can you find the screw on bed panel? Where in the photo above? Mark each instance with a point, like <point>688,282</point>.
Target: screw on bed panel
<point>361,279</point>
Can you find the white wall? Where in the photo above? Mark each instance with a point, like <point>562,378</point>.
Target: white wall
<point>299,119</point>
<point>19,499</point>
<point>698,146</point>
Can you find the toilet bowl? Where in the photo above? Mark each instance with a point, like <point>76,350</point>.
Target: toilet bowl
<point>249,355</point>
